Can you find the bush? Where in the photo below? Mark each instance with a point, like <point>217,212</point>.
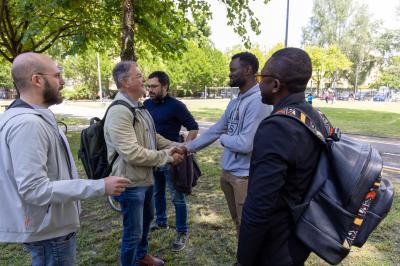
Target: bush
<point>78,92</point>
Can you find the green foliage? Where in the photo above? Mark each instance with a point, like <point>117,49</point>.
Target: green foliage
<point>5,74</point>
<point>162,27</point>
<point>390,74</point>
<point>196,68</point>
<point>325,62</point>
<point>82,69</point>
<point>329,22</point>
<point>349,26</point>
<point>239,14</point>
<point>78,92</point>
<point>359,47</point>
<point>34,25</point>
<point>275,48</point>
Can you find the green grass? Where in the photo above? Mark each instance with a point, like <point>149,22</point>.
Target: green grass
<point>207,114</point>
<point>364,122</point>
<point>374,123</point>
<point>212,238</point>
<point>72,120</point>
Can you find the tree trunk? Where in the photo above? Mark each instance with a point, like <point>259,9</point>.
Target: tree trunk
<point>128,24</point>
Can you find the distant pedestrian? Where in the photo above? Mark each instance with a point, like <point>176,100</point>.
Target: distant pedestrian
<point>309,98</point>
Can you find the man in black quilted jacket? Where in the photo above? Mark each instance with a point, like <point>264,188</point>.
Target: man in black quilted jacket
<point>284,157</point>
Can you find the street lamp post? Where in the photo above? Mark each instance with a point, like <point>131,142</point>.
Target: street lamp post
<point>287,22</point>
<point>99,76</point>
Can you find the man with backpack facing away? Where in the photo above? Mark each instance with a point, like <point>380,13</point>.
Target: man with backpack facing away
<point>169,116</point>
<point>131,133</point>
<point>284,158</point>
<point>40,189</point>
<point>235,130</point>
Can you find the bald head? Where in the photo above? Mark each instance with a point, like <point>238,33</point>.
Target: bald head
<point>293,67</point>
<point>27,64</point>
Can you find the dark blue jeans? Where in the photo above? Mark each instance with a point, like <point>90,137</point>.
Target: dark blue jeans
<point>137,210</point>
<point>60,251</point>
<point>162,179</point>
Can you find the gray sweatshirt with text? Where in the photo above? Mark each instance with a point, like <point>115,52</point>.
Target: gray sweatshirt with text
<point>236,129</point>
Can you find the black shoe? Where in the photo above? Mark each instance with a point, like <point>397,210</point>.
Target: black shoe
<point>154,226</point>
<point>179,242</point>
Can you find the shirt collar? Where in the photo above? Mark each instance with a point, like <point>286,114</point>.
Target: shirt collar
<point>291,99</point>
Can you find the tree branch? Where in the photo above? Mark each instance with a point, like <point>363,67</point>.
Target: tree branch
<point>56,33</point>
<point>6,56</point>
<point>51,42</point>
<point>8,20</point>
<point>2,7</point>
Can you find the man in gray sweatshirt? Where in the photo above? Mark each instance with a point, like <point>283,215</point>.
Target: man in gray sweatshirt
<point>40,189</point>
<point>235,130</point>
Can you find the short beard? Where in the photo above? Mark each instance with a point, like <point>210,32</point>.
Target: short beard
<point>157,98</point>
<point>237,83</point>
<point>50,95</point>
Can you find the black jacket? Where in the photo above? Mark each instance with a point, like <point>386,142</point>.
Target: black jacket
<point>284,157</point>
<point>186,174</point>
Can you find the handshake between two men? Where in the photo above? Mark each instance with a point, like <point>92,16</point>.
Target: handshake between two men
<point>178,153</point>
<point>115,185</point>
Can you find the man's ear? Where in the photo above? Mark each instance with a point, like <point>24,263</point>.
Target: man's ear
<point>277,86</point>
<point>249,70</point>
<point>35,80</point>
<point>123,83</point>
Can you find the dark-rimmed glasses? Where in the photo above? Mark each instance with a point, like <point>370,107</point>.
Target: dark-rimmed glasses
<point>57,75</point>
<point>259,76</point>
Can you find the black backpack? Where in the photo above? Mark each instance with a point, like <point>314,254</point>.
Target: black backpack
<point>93,149</point>
<point>347,197</point>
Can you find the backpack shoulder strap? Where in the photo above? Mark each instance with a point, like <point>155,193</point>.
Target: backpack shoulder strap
<point>127,105</point>
<point>297,114</point>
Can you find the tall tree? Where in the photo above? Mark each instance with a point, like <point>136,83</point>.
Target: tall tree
<point>328,23</point>
<point>360,46</point>
<point>35,25</point>
<point>349,26</point>
<point>161,26</point>
<point>389,75</point>
<point>326,62</point>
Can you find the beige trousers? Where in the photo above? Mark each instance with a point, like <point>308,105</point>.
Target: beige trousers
<point>235,190</point>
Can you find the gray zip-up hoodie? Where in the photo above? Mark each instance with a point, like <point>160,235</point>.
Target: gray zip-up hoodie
<point>39,189</point>
<point>235,130</point>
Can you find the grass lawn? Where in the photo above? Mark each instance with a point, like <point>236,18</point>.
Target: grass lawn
<point>212,236</point>
<point>355,121</point>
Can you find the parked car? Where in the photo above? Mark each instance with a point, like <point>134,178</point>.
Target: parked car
<point>379,97</point>
<point>363,96</point>
<point>343,96</point>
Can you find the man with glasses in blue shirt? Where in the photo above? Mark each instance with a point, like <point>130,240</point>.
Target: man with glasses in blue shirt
<point>169,116</point>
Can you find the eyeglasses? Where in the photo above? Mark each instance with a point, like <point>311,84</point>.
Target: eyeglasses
<point>259,76</point>
<point>153,86</point>
<point>57,75</point>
